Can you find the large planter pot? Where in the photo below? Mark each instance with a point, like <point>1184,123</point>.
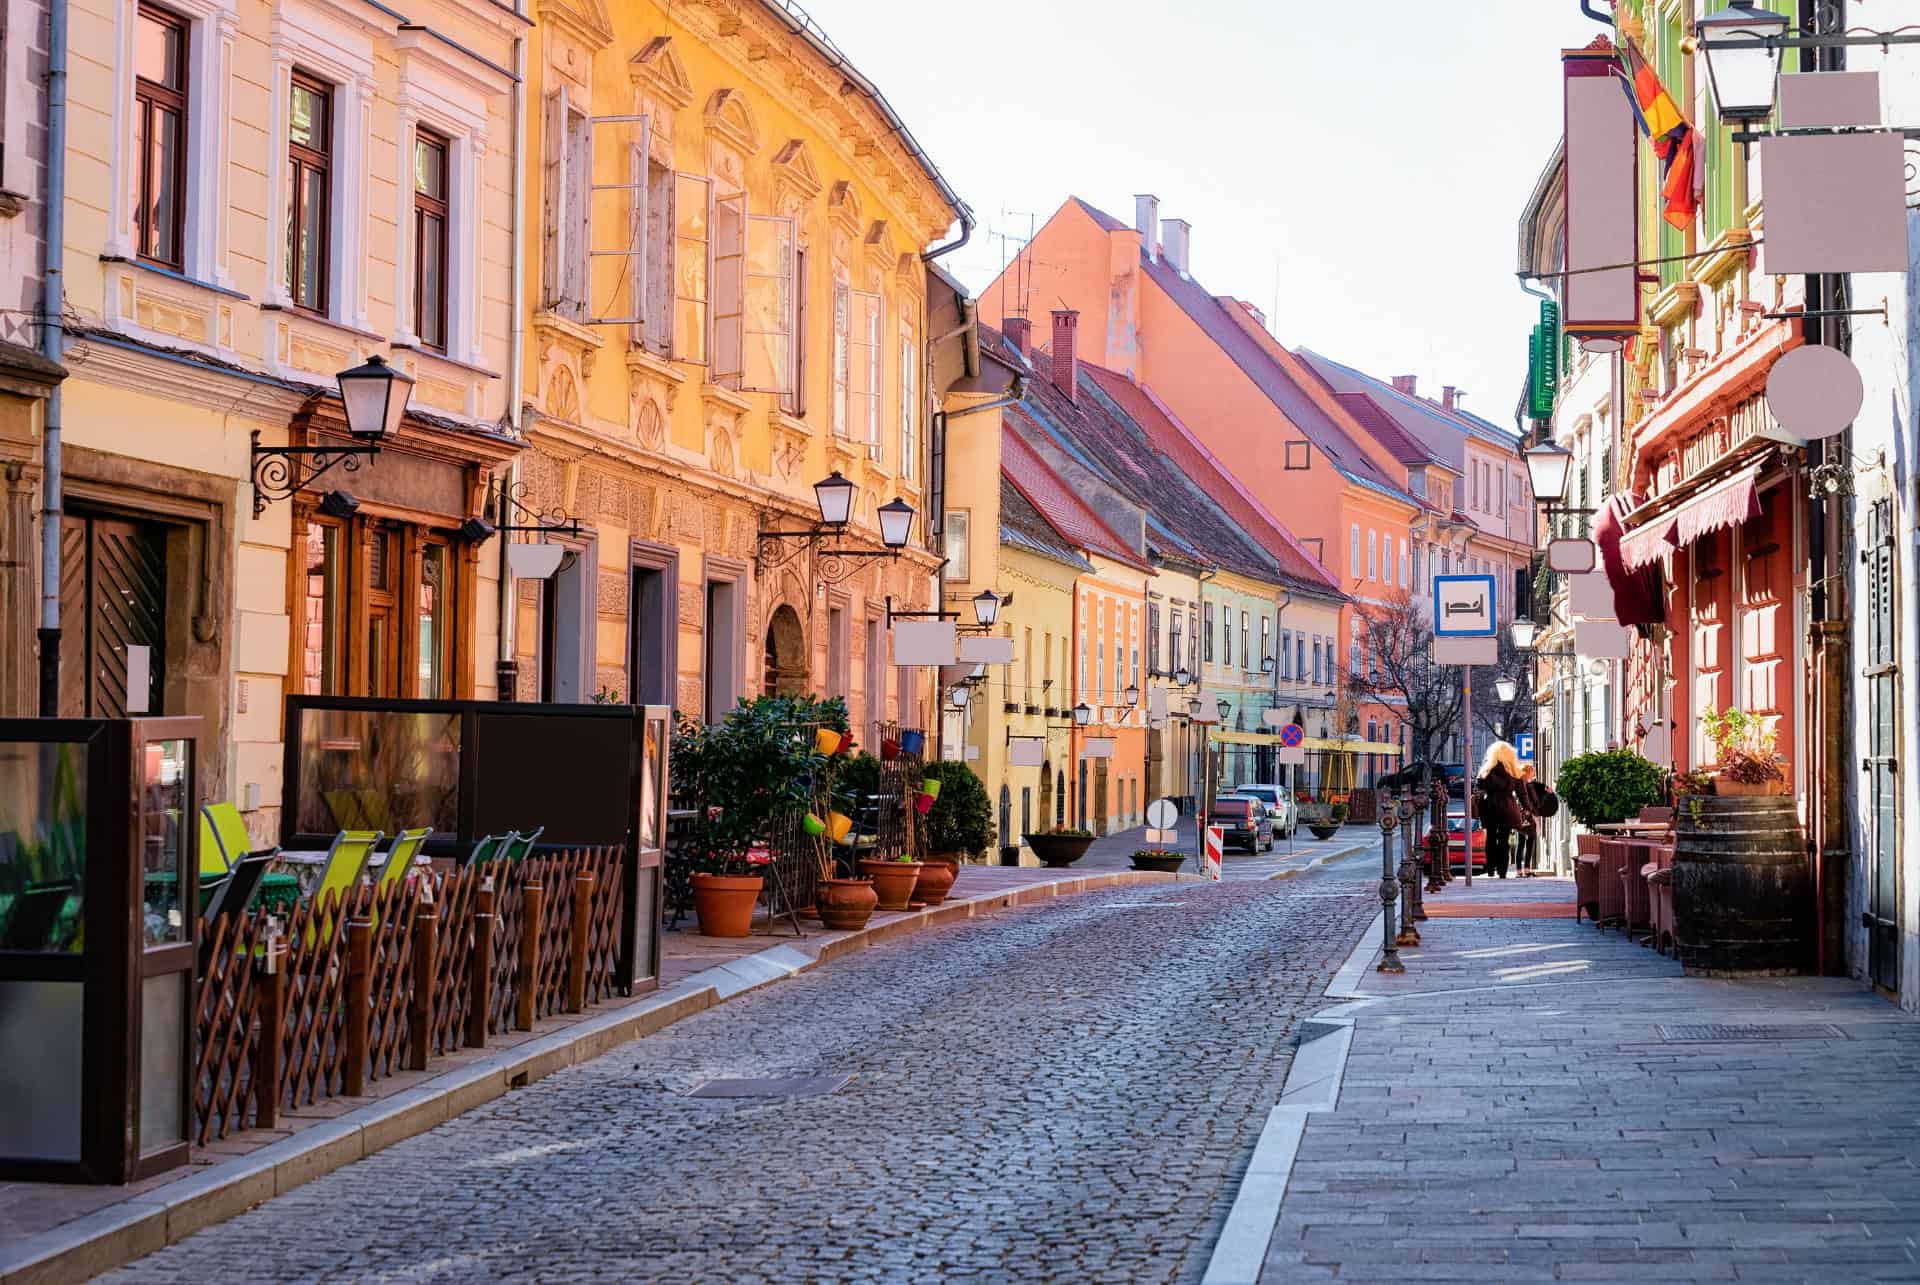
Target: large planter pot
<point>724,903</point>
<point>937,874</point>
<point>892,881</point>
<point>1727,788</point>
<point>1058,850</point>
<point>1167,865</point>
<point>1320,831</point>
<point>845,904</point>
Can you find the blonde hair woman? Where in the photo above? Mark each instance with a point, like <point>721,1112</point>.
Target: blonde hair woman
<point>1498,804</point>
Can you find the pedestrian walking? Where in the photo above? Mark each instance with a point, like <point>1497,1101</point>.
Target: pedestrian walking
<point>1498,804</point>
<point>1526,839</point>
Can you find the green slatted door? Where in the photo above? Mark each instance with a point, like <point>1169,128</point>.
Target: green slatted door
<point>113,595</point>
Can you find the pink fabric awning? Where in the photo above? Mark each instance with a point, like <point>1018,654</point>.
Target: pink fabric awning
<point>1720,506</point>
<point>1637,600</point>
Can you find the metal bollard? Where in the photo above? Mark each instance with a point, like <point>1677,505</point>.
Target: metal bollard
<point>1408,935</point>
<point>1389,886</point>
<point>1439,823</point>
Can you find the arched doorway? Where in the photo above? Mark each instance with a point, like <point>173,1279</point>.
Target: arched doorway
<point>786,672</point>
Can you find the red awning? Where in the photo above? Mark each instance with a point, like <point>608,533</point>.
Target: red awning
<point>1637,597</point>
<point>1719,506</point>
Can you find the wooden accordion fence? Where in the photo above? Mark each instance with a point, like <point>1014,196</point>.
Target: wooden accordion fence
<point>354,989</point>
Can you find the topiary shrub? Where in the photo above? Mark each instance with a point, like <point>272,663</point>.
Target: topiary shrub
<point>961,819</point>
<point>1606,786</point>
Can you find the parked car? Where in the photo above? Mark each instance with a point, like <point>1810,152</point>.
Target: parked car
<point>1246,821</point>
<point>1456,775</point>
<point>1280,806</point>
<point>1456,838</point>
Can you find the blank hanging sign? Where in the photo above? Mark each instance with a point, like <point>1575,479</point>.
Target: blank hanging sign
<point>924,642</point>
<point>1814,392</point>
<point>1602,639</point>
<point>1570,554</point>
<point>986,650</point>
<point>1835,203</point>
<point>1099,747</point>
<point>1592,596</point>
<point>1026,751</point>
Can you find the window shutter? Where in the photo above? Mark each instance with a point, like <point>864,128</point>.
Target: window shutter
<point>614,290</point>
<point>729,255</point>
<point>767,329</point>
<point>692,266</point>
<point>553,202</point>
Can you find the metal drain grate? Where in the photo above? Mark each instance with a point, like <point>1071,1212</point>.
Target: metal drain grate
<point>1716,1033</point>
<point>792,1086</point>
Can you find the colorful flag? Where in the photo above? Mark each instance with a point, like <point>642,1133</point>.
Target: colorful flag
<point>1672,138</point>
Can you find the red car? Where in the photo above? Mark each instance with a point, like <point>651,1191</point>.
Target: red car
<point>1456,839</point>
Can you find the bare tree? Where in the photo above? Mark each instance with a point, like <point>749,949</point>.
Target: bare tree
<point>1494,718</point>
<point>1398,670</point>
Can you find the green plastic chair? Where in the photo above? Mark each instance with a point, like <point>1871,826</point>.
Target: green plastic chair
<point>406,846</point>
<point>488,848</point>
<point>346,862</point>
<point>213,861</point>
<point>518,846</point>
<point>230,832</point>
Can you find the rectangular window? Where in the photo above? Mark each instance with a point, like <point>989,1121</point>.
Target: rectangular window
<point>1406,567</point>
<point>309,192</point>
<point>430,238</point>
<point>1175,656</point>
<point>1300,657</point>
<point>1316,660</point>
<point>1193,643</point>
<point>727,287</point>
<point>909,403</point>
<point>1373,555</point>
<point>842,357</point>
<point>433,617</point>
<point>1153,637</point>
<point>1285,659</point>
<point>865,356</point>
<point>956,530</point>
<point>692,266</point>
<point>1246,634</point>
<point>794,401</point>
<point>769,320</point>
<point>160,135</point>
<point>1206,647</point>
<point>1226,635</point>
<point>1354,551</point>
<point>658,267</point>
<point>1266,644</point>
<point>323,644</point>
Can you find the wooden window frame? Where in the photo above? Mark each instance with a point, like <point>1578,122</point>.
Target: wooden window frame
<point>425,209</point>
<point>150,98</point>
<point>303,161</point>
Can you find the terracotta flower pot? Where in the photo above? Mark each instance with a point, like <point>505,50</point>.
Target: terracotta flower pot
<point>1726,786</point>
<point>724,903</point>
<point>937,874</point>
<point>893,881</point>
<point>845,904</point>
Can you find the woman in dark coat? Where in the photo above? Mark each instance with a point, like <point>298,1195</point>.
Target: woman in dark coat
<point>1526,840</point>
<point>1498,804</point>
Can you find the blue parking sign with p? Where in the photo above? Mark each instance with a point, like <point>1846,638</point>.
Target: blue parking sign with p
<point>1523,746</point>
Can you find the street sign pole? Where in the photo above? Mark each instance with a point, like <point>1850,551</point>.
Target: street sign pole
<point>1466,784</point>
<point>1466,617</point>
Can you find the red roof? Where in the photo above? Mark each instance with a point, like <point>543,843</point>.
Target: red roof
<point>1197,462</point>
<point>1373,417</point>
<point>1064,510</point>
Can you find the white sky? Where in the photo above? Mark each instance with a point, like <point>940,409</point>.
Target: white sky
<point>1372,156</point>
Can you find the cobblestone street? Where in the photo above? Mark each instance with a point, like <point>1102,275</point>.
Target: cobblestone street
<point>1069,1092</point>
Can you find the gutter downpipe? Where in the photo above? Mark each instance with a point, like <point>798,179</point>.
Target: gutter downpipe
<point>1605,20</point>
<point>507,667</point>
<point>52,343</point>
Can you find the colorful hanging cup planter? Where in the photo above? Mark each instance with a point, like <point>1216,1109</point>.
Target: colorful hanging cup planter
<point>889,750</point>
<point>839,825</point>
<point>923,804</point>
<point>825,740</point>
<point>813,825</point>
<point>912,742</point>
<point>931,787</point>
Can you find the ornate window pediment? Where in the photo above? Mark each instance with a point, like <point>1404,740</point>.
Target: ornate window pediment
<point>843,203</point>
<point>585,20</point>
<point>658,68</point>
<point>793,166</point>
<point>731,117</point>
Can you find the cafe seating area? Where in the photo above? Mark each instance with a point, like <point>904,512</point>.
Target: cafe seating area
<point>1623,878</point>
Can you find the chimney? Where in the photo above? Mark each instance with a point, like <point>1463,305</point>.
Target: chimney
<point>1447,395</point>
<point>1408,384</point>
<point>1173,235</point>
<point>1146,221</point>
<point>1019,331</point>
<point>1066,364</point>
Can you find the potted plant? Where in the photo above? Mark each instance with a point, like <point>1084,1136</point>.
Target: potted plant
<point>1744,746</point>
<point>738,777</point>
<point>1163,860</point>
<point>893,880</point>
<point>840,784</point>
<point>1060,847</point>
<point>1603,787</point>
<point>957,827</point>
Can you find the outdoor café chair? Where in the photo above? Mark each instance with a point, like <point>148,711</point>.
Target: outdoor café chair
<point>234,894</point>
<point>488,848</point>
<point>230,832</point>
<point>406,846</point>
<point>346,862</point>
<point>519,846</point>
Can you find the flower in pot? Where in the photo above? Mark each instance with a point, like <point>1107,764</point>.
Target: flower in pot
<point>1060,847</point>
<point>1163,860</point>
<point>893,880</point>
<point>1319,818</point>
<point>1744,747</point>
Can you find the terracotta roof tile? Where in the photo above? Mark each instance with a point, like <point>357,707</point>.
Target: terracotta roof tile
<point>1055,501</point>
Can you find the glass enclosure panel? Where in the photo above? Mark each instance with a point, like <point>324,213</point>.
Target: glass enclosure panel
<point>377,770</point>
<point>43,846</point>
<point>653,746</point>
<point>646,924</point>
<point>163,1005</point>
<point>41,1092</point>
<point>433,621</point>
<point>166,813</point>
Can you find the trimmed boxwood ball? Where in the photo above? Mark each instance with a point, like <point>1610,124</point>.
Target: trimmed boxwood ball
<point>962,817</point>
<point>1602,787</point>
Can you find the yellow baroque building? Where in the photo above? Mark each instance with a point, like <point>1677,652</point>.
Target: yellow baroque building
<point>728,303</point>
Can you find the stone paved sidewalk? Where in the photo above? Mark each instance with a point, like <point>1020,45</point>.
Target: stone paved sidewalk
<point>1537,1100</point>
<point>1114,851</point>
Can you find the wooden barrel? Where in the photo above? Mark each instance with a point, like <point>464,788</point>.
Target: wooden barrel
<point>1742,894</point>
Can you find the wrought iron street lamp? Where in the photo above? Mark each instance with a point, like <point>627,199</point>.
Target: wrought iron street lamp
<point>1548,467</point>
<point>1742,44</point>
<point>1506,689</point>
<point>1523,633</point>
<point>1082,715</point>
<point>896,523</point>
<point>1224,706</point>
<point>1182,676</point>
<point>986,607</point>
<point>374,398</point>
<point>959,698</point>
<point>1133,695</point>
<point>834,496</point>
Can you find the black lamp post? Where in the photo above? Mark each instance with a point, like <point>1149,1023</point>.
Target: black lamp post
<point>374,398</point>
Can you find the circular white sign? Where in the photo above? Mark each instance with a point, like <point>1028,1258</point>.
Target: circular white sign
<point>1602,344</point>
<point>1161,814</point>
<point>1814,392</point>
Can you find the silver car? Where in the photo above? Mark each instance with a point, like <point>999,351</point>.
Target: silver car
<point>1280,806</point>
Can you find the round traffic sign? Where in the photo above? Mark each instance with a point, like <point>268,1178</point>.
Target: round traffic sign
<point>1292,734</point>
<point>1161,814</point>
